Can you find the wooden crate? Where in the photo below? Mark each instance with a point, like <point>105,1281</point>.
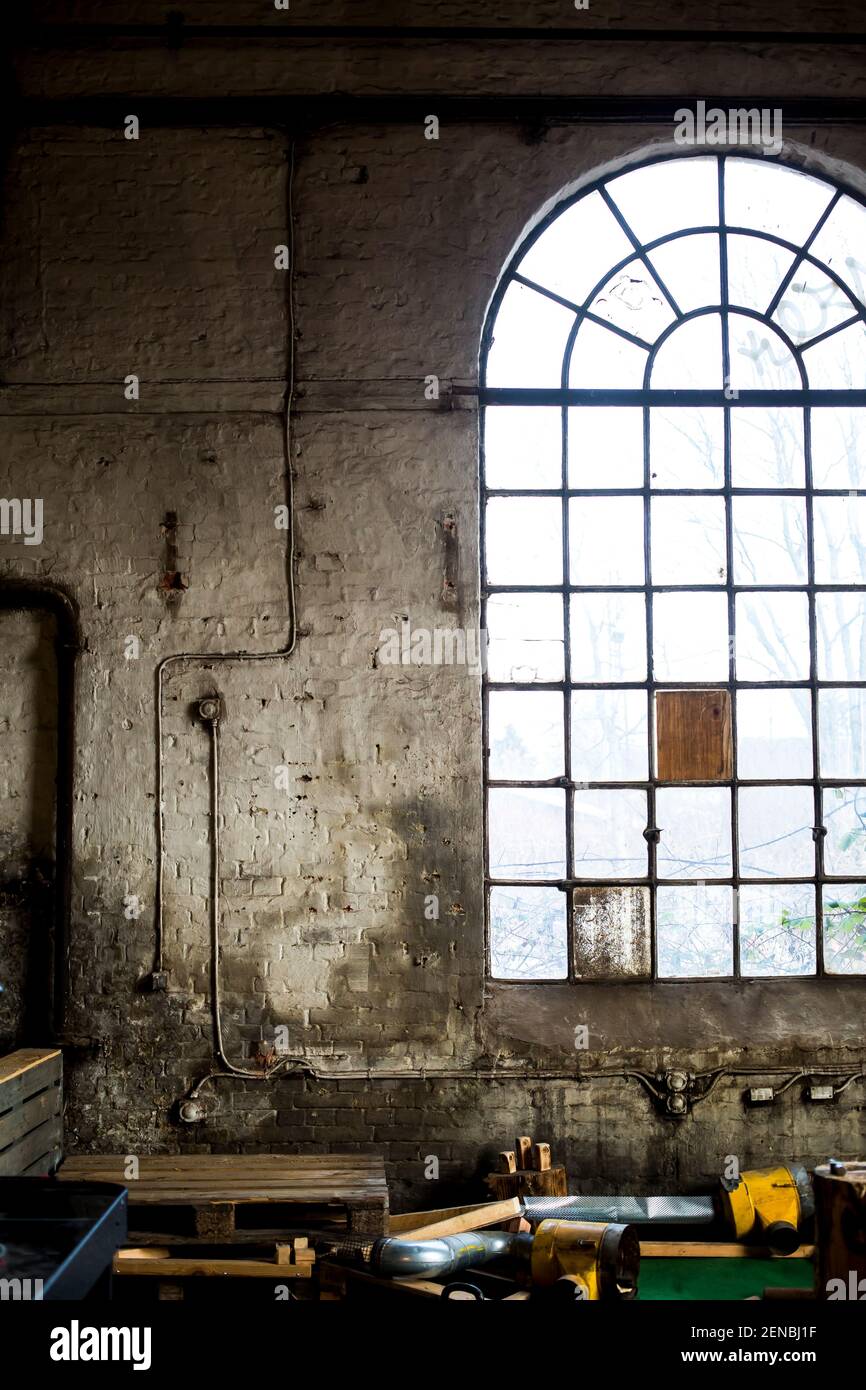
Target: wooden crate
<point>237,1197</point>
<point>31,1112</point>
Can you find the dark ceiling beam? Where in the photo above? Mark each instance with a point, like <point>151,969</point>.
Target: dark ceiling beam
<point>176,30</point>
<point>310,112</point>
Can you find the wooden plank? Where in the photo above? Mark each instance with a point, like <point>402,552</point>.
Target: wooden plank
<point>693,735</point>
<point>451,1221</point>
<point>23,1155</point>
<point>182,1267</point>
<point>29,1114</point>
<point>27,1071</point>
<point>715,1250</point>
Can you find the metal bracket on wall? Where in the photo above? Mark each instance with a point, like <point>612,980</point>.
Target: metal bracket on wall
<point>675,1092</point>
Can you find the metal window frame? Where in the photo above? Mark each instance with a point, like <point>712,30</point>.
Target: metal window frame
<point>805,398</point>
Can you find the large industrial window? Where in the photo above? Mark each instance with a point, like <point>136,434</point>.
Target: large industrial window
<point>674,581</point>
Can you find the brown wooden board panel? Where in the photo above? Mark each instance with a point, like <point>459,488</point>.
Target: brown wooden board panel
<point>32,1112</point>
<point>27,1071</point>
<point>23,1154</point>
<point>693,736</point>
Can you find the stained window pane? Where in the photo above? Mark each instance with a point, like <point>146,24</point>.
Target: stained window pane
<point>695,832</point>
<point>603,358</point>
<point>774,734</point>
<point>529,340</point>
<point>632,300</point>
<point>775,832</point>
<point>528,934</point>
<point>527,832</point>
<point>694,931</point>
<point>760,358</point>
<point>691,358</point>
<point>769,540</point>
<point>777,929</point>
<point>842,733</point>
<point>690,637</point>
<point>767,447</point>
<point>687,447</point>
<point>841,623</point>
<point>526,735</point>
<point>839,244</point>
<point>845,929</point>
<point>845,823</point>
<point>524,540</point>
<point>688,540</point>
<point>661,198</point>
<point>608,637</point>
<point>771,198</point>
<point>839,448</point>
<point>840,540</point>
<point>605,446</point>
<point>689,267</point>
<point>609,735</point>
<point>525,637</point>
<point>609,834</point>
<point>576,250</point>
<point>522,446</point>
<point>606,540</point>
<point>756,269</point>
<point>611,933</point>
<point>772,637</point>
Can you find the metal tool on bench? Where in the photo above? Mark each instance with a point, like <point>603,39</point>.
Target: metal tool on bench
<point>591,1260</point>
<point>770,1202</point>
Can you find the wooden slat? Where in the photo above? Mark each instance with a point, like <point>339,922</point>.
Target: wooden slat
<point>32,1112</point>
<point>451,1221</point>
<point>693,735</point>
<point>21,1156</point>
<point>180,1267</point>
<point>715,1250</point>
<point>27,1071</point>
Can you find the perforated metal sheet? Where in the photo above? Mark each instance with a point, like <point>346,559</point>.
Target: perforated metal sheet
<point>641,1211</point>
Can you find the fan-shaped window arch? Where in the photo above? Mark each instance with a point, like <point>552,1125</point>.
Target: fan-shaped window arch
<point>674,580</point>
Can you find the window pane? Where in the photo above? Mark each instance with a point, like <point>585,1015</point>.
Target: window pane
<point>528,935</point>
<point>839,244</point>
<point>522,446</point>
<point>605,446</point>
<point>769,540</point>
<point>842,733</point>
<point>611,933</point>
<point>694,928</point>
<point>661,198</point>
<point>525,641</point>
<point>633,300</point>
<point>775,825</point>
<point>772,637</point>
<point>756,269</point>
<point>836,363</point>
<point>772,198</point>
<point>572,255</point>
<point>767,448</point>
<point>760,359</point>
<point>845,823</point>
<point>608,637</point>
<point>811,304</point>
<point>690,637</point>
<point>603,358</point>
<point>845,929</point>
<point>524,540</point>
<point>841,636</point>
<point>609,735</point>
<point>526,735</point>
<point>688,540</point>
<point>839,448</point>
<point>529,339</point>
<point>527,832</point>
<point>689,268</point>
<point>606,541</point>
<point>840,540</point>
<point>777,929</point>
<point>774,734</point>
<point>691,358</point>
<point>608,834</point>
<point>695,832</point>
<point>687,447</point>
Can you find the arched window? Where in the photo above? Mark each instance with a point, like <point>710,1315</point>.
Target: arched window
<point>674,580</point>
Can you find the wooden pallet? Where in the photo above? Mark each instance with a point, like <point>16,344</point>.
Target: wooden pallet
<point>233,1197</point>
<point>31,1105</point>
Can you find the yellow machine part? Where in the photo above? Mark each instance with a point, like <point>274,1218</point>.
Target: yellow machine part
<point>763,1197</point>
<point>583,1253</point>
